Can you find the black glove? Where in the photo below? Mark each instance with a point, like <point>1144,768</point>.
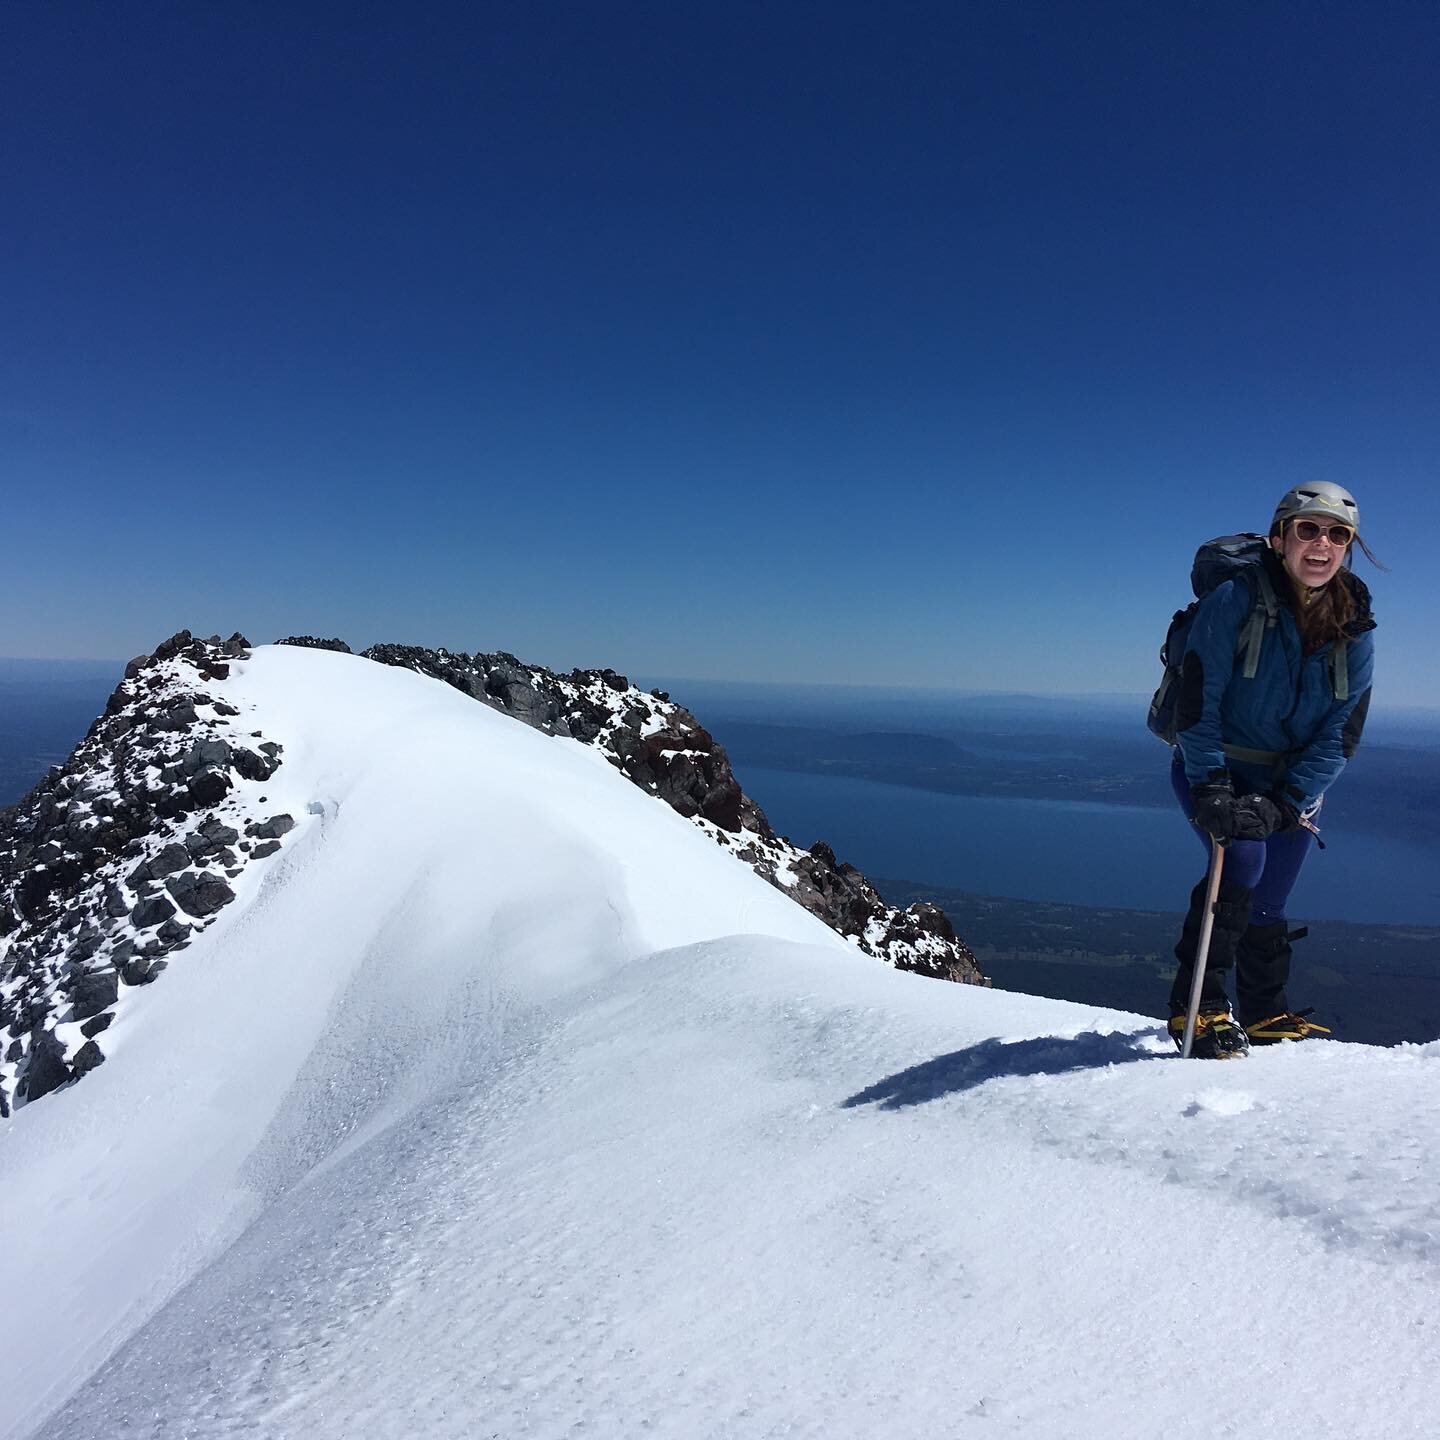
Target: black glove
<point>1225,816</point>
<point>1289,816</point>
<point>1215,808</point>
<point>1256,817</point>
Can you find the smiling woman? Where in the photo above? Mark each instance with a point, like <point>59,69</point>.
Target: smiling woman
<point>1313,553</point>
<point>1313,547</point>
<point>1257,747</point>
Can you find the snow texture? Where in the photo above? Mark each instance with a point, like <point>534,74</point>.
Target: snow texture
<point>554,1121</point>
<point>664,749</point>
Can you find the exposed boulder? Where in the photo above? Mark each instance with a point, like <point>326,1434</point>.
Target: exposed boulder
<point>44,1068</point>
<point>209,787</point>
<point>271,829</point>
<point>141,969</point>
<point>199,894</point>
<point>209,839</point>
<point>171,858</point>
<point>87,1057</point>
<point>150,911</point>
<point>93,991</point>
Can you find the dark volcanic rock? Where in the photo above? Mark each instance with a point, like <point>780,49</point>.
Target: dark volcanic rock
<point>254,765</point>
<point>209,787</point>
<point>199,894</point>
<point>309,642</point>
<point>45,1069</point>
<point>85,944</point>
<point>210,839</point>
<point>82,857</point>
<point>167,862</point>
<point>152,910</point>
<point>141,970</point>
<point>271,829</point>
<point>87,1057</point>
<point>93,991</point>
<point>205,754</point>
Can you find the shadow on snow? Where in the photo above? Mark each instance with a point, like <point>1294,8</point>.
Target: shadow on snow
<point>996,1059</point>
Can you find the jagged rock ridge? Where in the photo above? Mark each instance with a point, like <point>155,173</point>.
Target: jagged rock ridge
<point>116,858</point>
<point>663,748</point>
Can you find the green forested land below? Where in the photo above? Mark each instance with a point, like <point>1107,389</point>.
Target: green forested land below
<point>1376,984</point>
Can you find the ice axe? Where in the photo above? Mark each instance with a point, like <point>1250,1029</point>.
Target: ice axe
<point>1202,950</point>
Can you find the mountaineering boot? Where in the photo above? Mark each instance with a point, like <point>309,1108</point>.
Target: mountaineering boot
<point>1262,970</point>
<point>1291,1025</point>
<point>1232,915</point>
<point>1217,1036</point>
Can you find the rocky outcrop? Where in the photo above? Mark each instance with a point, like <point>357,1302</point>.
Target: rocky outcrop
<point>663,748</point>
<point>119,857</point>
<point>309,642</point>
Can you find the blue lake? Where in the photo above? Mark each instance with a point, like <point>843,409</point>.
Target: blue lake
<point>1073,852</point>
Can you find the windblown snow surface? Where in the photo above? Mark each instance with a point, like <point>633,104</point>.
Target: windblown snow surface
<point>507,1104</point>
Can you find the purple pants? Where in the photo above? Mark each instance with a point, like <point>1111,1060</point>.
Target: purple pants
<point>1269,868</point>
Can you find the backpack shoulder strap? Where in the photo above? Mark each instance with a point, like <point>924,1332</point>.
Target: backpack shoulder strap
<point>1262,618</point>
<point>1340,669</point>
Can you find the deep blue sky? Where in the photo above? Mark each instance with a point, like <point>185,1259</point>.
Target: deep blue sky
<point>908,344</point>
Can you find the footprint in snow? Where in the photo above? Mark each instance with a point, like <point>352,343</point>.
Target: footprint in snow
<point>1221,1102</point>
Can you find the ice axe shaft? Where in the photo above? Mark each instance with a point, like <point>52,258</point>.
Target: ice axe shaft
<point>1202,950</point>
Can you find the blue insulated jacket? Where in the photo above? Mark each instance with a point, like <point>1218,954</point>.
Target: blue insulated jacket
<point>1289,705</point>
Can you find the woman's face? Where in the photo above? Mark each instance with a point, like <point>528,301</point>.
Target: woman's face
<point>1313,562</point>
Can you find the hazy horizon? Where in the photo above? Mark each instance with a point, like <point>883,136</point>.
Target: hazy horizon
<point>741,687</point>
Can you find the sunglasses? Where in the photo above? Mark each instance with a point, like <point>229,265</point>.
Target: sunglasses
<point>1338,535</point>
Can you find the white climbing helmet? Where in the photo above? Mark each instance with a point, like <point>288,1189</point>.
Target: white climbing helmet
<point>1317,497</point>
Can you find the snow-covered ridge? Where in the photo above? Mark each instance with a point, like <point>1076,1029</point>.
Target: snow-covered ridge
<point>502,1103</point>
<point>661,747</point>
<point>122,855</point>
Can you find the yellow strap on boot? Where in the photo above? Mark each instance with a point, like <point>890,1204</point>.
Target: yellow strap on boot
<point>1300,1028</point>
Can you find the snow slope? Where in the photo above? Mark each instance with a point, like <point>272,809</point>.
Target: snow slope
<point>536,1114</point>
